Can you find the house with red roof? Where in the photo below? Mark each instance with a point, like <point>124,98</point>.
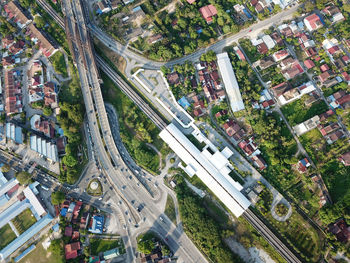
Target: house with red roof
<point>262,48</point>
<point>259,162</point>
<point>71,250</point>
<point>208,12</point>
<point>324,68</point>
<point>309,63</point>
<point>345,159</point>
<point>313,22</point>
<point>231,127</point>
<point>324,76</point>
<point>303,164</point>
<point>279,55</point>
<point>346,76</point>
<point>334,50</point>
<point>191,1</point>
<point>68,231</point>
<point>341,230</point>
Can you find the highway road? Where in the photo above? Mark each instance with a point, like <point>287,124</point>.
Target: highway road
<point>104,145</point>
<point>107,150</point>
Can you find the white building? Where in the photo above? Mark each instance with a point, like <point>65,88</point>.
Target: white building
<point>210,165</point>
<point>230,82</point>
<point>270,43</point>
<point>306,88</point>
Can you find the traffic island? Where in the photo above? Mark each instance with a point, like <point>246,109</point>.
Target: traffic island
<point>94,188</point>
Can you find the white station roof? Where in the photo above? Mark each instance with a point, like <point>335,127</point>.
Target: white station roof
<point>222,185</point>
<point>230,82</point>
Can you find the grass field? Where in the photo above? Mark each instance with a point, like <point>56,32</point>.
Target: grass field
<point>6,236</point>
<point>40,255</point>
<point>170,209</point>
<point>59,64</point>
<point>24,221</point>
<point>100,245</point>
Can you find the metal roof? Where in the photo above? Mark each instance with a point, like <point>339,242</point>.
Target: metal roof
<point>28,234</point>
<point>222,185</point>
<point>230,82</point>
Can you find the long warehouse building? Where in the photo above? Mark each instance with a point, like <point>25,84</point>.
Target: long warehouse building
<point>230,82</point>
<point>218,182</point>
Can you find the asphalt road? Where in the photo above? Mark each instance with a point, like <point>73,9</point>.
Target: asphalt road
<point>104,145</point>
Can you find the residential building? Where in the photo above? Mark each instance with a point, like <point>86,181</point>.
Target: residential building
<point>44,147</point>
<point>259,162</point>
<point>307,125</point>
<point>71,250</point>
<point>230,82</point>
<point>38,37</point>
<point>313,22</point>
<point>341,230</point>
<point>14,11</point>
<point>262,48</point>
<point>345,159</point>
<point>97,224</point>
<point>303,164</point>
<point>309,63</point>
<point>103,7</point>
<point>270,43</point>
<point>239,53</point>
<point>265,63</point>
<point>208,12</point>
<point>14,133</point>
<point>155,38</point>
<point>279,55</point>
<point>334,136</point>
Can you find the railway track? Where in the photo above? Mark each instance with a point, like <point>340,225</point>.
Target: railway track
<point>282,249</point>
<point>159,122</point>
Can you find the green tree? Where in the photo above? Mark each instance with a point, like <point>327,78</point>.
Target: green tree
<point>145,246</point>
<point>5,168</point>
<point>70,160</point>
<point>47,111</point>
<point>23,177</point>
<point>57,198</point>
<point>39,21</point>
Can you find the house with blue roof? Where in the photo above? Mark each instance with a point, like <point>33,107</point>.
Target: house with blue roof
<point>97,224</point>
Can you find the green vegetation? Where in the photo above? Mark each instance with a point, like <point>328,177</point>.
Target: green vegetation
<point>101,245</point>
<point>47,111</point>
<point>136,130</point>
<point>170,209</point>
<point>146,243</point>
<point>281,209</point>
<point>23,178</point>
<point>24,221</point>
<point>187,71</point>
<point>337,179</point>
<point>59,63</point>
<point>57,250</point>
<point>264,204</point>
<point>57,197</point>
<point>6,236</point>
<point>5,168</point>
<point>6,27</point>
<point>296,112</point>
<point>70,120</point>
<point>94,192</point>
<point>200,227</point>
<point>37,104</point>
<point>41,255</point>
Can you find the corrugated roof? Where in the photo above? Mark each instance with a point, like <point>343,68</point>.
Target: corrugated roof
<point>230,82</point>
<point>222,186</point>
<point>29,233</point>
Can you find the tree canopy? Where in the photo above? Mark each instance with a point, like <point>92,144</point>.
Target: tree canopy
<point>23,177</point>
<point>57,198</point>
